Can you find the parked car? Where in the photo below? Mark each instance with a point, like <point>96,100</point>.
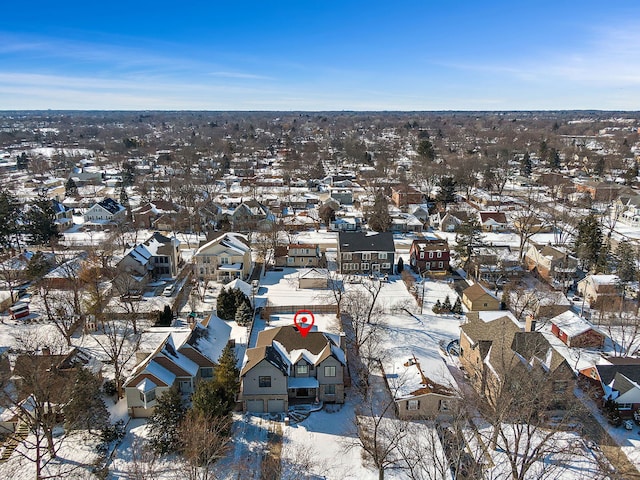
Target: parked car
<point>168,291</point>
<point>628,425</point>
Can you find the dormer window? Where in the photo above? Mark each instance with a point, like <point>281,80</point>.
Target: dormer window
<point>224,260</point>
<point>302,369</point>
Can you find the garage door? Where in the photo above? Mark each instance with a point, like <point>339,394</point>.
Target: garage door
<point>276,406</point>
<point>256,406</point>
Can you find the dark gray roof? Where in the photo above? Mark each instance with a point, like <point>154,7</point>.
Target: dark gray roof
<point>608,372</point>
<point>366,242</point>
<point>110,205</point>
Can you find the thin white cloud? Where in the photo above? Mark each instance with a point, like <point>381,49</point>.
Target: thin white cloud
<point>241,76</point>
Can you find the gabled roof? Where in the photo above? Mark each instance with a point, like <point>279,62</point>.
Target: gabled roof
<point>476,291</point>
<point>290,347</point>
<point>365,242</point>
<point>111,206</point>
<point>572,324</point>
<point>498,217</point>
<point>232,241</point>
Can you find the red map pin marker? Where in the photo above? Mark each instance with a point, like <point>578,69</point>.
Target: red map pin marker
<point>304,320</point>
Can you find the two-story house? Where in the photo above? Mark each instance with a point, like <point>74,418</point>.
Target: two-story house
<point>105,211</point>
<point>157,257</point>
<point>403,195</point>
<point>552,264</point>
<point>303,255</point>
<point>225,257</point>
<point>251,215</point>
<point>430,254</point>
<point>597,288</point>
<point>285,368</point>
<point>182,357</point>
<point>495,350</point>
<point>366,252</point>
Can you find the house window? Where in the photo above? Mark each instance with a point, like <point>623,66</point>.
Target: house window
<point>329,389</point>
<point>206,372</point>
<point>364,266</point>
<point>486,304</point>
<point>346,256</point>
<point>413,404</point>
<point>625,406</point>
<point>421,255</point>
<point>560,386</point>
<point>382,255</point>
<point>224,260</point>
<point>445,405</point>
<point>430,254</point>
<point>302,369</point>
<point>386,266</point>
<point>290,260</point>
<point>148,397</point>
<point>206,260</point>
<point>366,256</point>
<point>440,264</point>
<point>329,371</point>
<point>264,382</point>
<point>439,254</point>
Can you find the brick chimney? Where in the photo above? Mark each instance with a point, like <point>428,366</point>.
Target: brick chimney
<point>530,324</point>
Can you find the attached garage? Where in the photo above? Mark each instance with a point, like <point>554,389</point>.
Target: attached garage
<point>275,406</point>
<point>255,406</point>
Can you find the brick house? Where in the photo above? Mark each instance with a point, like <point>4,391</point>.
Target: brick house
<point>366,252</point>
<point>429,254</point>
<point>498,349</point>
<point>403,195</point>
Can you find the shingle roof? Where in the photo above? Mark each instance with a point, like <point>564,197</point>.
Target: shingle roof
<point>365,242</point>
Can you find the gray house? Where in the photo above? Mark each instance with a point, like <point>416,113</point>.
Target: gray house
<point>286,368</point>
<point>366,252</point>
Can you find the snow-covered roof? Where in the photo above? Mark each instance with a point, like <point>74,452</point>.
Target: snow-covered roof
<point>572,324</point>
<point>302,382</point>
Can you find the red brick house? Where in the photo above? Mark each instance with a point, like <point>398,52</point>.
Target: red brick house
<point>429,254</point>
<point>404,195</point>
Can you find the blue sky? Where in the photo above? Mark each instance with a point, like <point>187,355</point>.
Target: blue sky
<point>312,55</point>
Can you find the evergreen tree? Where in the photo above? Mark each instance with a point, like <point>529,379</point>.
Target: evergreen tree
<point>379,219</point>
<point>588,241</point>
<point>626,268</point>
<point>426,150</point>
<point>41,222</point>
<point>244,314</point>
<point>226,304</point>
<point>446,306</point>
<point>22,162</point>
<point>468,238</point>
<point>605,260</point>
<point>447,192</point>
<point>70,188</point>
<point>10,218</point>
<point>227,373</point>
<point>86,409</point>
<point>212,399</point>
<point>165,318</point>
<point>598,168</point>
<point>163,425</point>
<point>526,167</point>
<point>128,175</point>
<point>457,307</point>
<point>554,158</point>
<point>400,265</point>
<point>437,308</point>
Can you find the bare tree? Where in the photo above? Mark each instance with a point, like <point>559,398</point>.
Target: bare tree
<point>40,392</point>
<point>205,441</point>
<point>527,221</point>
<point>119,343</point>
<point>59,308</point>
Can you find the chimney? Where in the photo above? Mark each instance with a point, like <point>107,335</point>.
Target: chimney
<point>343,341</point>
<point>530,324</point>
<point>46,351</point>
